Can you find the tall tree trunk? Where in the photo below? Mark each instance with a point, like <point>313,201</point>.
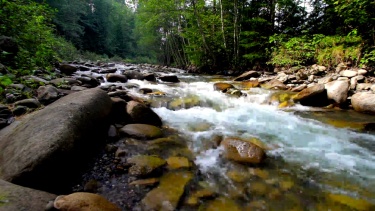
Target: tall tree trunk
<point>222,23</point>
<point>208,49</point>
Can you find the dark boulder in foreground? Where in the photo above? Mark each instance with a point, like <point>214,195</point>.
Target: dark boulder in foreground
<point>14,197</point>
<point>46,149</point>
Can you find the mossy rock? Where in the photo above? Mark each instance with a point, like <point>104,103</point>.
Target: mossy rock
<point>184,102</point>
<point>195,197</point>
<point>222,86</point>
<point>238,176</point>
<point>141,131</point>
<point>274,84</point>
<point>144,164</point>
<point>242,151</point>
<point>246,85</point>
<point>354,203</point>
<point>178,162</point>
<point>221,204</point>
<point>167,195</point>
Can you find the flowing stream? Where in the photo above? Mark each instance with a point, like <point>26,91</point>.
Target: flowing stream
<point>311,165</point>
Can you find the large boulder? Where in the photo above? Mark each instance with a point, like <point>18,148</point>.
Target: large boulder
<point>337,91</point>
<point>364,102</point>
<point>14,197</point>
<point>113,77</point>
<point>243,151</point>
<point>48,148</point>
<point>169,78</point>
<point>313,96</point>
<point>134,74</point>
<point>247,75</point>
<point>142,114</point>
<point>274,84</point>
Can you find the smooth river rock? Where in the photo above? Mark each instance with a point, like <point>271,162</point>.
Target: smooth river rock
<point>337,91</point>
<point>142,114</point>
<point>313,96</point>
<point>141,131</point>
<point>14,197</point>
<point>364,102</point>
<point>242,151</point>
<point>47,148</point>
<point>81,201</point>
<point>247,75</point>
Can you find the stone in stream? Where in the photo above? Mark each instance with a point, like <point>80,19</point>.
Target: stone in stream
<point>133,74</point>
<point>144,165</point>
<point>274,84</point>
<point>142,114</point>
<point>58,82</point>
<point>14,197</point>
<point>348,73</point>
<point>364,102</point>
<point>113,77</point>
<point>178,162</point>
<point>118,113</point>
<point>149,77</point>
<point>313,96</point>
<point>247,75</point>
<point>243,151</point>
<point>221,204</point>
<point>141,131</point>
<point>68,69</point>
<point>81,201</point>
<point>53,144</point>
<point>169,78</point>
<point>245,85</point>
<point>337,91</point>
<point>167,195</point>
<point>48,94</point>
<point>222,86</point>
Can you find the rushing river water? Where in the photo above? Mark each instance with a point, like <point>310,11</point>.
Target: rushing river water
<point>311,165</point>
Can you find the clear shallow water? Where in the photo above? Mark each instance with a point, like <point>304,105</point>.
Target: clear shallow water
<point>308,159</point>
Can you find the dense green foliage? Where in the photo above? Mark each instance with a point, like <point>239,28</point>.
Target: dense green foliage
<point>211,34</point>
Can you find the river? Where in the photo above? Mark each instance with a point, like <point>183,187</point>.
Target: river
<point>312,163</point>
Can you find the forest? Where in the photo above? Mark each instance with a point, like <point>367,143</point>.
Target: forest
<point>208,35</point>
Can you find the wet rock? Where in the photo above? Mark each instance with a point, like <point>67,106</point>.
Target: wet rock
<point>146,182</point>
<point>242,151</point>
<point>133,74</point>
<point>142,114</point>
<point>20,110</point>
<point>362,72</point>
<point>283,98</point>
<point>118,112</point>
<point>199,194</point>
<point>221,204</point>
<point>337,91</point>
<point>30,103</point>
<point>222,87</point>
<point>315,95</point>
<point>238,176</point>
<point>88,81</point>
<point>145,90</point>
<point>84,68</point>
<point>348,73</point>
<point>113,77</point>
<point>169,78</point>
<point>141,131</point>
<point>247,75</point>
<point>68,69</point>
<point>234,92</point>
<point>48,94</point>
<point>14,197</point>
<point>120,153</point>
<point>149,77</point>
<point>144,165</point>
<point>185,102</point>
<point>249,84</point>
<point>353,203</point>
<point>54,143</point>
<point>91,186</point>
<point>112,133</point>
<point>274,84</point>
<point>81,201</point>
<point>167,195</point>
<point>364,102</point>
<point>178,162</point>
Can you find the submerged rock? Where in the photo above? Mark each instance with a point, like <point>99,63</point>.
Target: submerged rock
<point>167,195</point>
<point>144,165</point>
<point>221,204</point>
<point>178,162</point>
<point>141,131</point>
<point>242,151</point>
<point>84,202</point>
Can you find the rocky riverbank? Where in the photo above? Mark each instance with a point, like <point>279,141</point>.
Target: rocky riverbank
<point>84,130</point>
